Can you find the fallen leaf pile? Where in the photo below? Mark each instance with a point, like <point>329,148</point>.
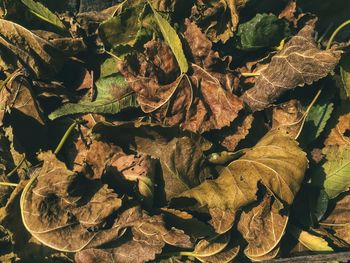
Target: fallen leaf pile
<point>174,131</point>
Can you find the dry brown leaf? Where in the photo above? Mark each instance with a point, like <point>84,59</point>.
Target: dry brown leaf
<point>338,135</point>
<point>300,62</point>
<point>37,55</point>
<point>263,227</point>
<point>65,213</point>
<point>148,237</point>
<point>339,219</point>
<point>288,117</point>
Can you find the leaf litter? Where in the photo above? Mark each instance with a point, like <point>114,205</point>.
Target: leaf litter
<point>173,131</point>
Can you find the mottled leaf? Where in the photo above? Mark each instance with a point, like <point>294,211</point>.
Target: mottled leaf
<point>300,62</point>
<point>225,256</point>
<point>338,135</point>
<point>263,30</point>
<point>113,95</point>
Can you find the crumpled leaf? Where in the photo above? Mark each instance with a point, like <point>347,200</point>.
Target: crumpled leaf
<point>263,227</point>
<point>269,163</point>
<point>54,213</point>
<point>218,19</point>
<point>300,62</point>
<point>336,171</point>
<point>149,236</point>
<point>44,13</point>
<point>263,30</point>
<point>37,55</point>
<point>113,95</point>
<point>180,153</point>
<point>310,241</point>
<point>338,135</point>
<point>172,39</point>
<point>205,94</point>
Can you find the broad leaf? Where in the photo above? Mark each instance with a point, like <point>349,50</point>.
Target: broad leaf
<point>172,39</point>
<point>300,62</point>
<point>261,31</point>
<point>225,256</point>
<point>113,95</point>
<point>336,170</point>
<point>276,161</point>
<point>44,13</point>
<point>338,135</point>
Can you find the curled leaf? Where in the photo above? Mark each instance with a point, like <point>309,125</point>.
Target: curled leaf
<point>300,62</point>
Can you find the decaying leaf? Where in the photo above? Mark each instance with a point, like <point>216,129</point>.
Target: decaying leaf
<point>338,218</point>
<point>55,214</point>
<point>219,19</point>
<point>225,256</point>
<point>37,55</point>
<point>345,76</point>
<point>338,134</point>
<point>263,227</point>
<point>288,117</point>
<point>300,62</point>
<point>180,153</point>
<point>268,163</point>
<point>199,102</point>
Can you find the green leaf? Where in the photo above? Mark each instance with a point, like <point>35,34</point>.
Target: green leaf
<point>317,118</point>
<point>276,162</point>
<point>43,13</point>
<point>113,95</point>
<point>126,31</point>
<point>262,31</point>
<point>172,40</point>
<point>336,169</point>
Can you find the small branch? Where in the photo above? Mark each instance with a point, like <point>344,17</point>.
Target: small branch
<point>8,184</point>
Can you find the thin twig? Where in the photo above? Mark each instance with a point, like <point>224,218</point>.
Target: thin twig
<point>330,41</point>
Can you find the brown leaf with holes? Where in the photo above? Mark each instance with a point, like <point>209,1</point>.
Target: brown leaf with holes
<point>338,134</point>
<point>288,117</point>
<point>300,62</point>
<point>263,226</point>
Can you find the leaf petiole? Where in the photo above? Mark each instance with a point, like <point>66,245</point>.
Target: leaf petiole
<point>8,184</point>
<point>65,137</point>
<point>330,41</point>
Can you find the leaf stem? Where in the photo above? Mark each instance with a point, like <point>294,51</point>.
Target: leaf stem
<point>344,24</point>
<point>8,184</point>
<point>307,111</point>
<point>65,137</point>
<point>8,79</point>
<point>250,74</point>
<point>17,167</point>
